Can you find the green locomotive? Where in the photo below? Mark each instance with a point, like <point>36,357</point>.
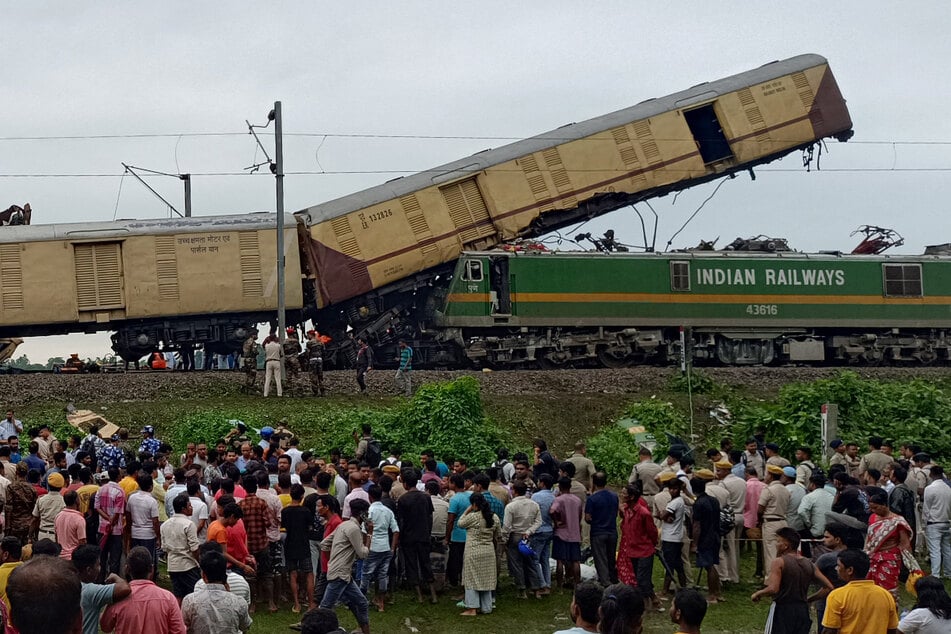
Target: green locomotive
<point>520,309</point>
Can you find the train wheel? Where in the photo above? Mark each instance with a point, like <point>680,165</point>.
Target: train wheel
<point>612,360</point>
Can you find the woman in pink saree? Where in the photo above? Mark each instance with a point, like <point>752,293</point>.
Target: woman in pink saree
<point>888,544</point>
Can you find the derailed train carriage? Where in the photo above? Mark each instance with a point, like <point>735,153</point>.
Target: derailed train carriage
<point>509,310</point>
<point>373,259</point>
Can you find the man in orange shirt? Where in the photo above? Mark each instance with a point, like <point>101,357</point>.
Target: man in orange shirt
<point>218,532</point>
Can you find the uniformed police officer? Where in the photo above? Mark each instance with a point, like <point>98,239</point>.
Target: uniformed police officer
<point>249,360</point>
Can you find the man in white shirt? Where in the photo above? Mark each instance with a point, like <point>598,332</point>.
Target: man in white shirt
<point>142,511</point>
<point>10,426</point>
<point>672,533</point>
<point>237,584</point>
<point>199,514</point>
<point>936,512</point>
<point>181,542</point>
<point>294,453</point>
<point>213,608</point>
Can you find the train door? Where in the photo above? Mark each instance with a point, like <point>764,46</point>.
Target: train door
<point>99,284</point>
<point>500,286</point>
<point>708,133</point>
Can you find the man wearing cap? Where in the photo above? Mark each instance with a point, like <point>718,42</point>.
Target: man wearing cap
<point>47,507</point>
<point>729,566</point>
<point>771,450</point>
<point>773,504</point>
<point>661,500</point>
<point>839,457</point>
<point>150,444</point>
<point>112,457</point>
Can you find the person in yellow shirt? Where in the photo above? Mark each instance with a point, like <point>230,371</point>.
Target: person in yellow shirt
<point>128,483</point>
<point>860,606</point>
<point>10,553</point>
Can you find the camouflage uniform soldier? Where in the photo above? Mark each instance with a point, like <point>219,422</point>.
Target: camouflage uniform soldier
<point>315,362</point>
<point>249,360</point>
<point>291,354</point>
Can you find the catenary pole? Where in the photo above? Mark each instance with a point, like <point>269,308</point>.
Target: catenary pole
<point>279,182</point>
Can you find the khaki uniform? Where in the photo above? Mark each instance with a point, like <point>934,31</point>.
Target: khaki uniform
<point>729,566</point>
<point>853,464</point>
<point>249,361</point>
<point>315,365</point>
<point>839,458</point>
<point>874,459</point>
<point>775,501</point>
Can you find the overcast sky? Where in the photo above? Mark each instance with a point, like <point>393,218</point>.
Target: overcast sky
<point>487,69</point>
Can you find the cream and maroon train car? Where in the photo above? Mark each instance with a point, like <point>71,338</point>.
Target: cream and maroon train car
<point>362,250</point>
<point>169,281</point>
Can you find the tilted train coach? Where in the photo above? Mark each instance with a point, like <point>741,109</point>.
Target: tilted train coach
<point>372,255</point>
<point>563,309</point>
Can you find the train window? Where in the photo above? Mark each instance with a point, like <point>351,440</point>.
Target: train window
<point>680,276</point>
<point>708,133</point>
<point>473,271</point>
<point>902,280</point>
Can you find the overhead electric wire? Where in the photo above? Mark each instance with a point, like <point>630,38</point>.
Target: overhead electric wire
<point>463,171</point>
<point>371,135</point>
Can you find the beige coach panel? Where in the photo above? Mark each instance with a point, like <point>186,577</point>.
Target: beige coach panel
<point>37,284</point>
<point>209,272</point>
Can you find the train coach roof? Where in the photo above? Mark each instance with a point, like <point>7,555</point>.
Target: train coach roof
<point>482,160</point>
<point>146,226</point>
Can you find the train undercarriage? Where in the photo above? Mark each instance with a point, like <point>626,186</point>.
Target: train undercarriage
<point>625,347</point>
<point>565,347</point>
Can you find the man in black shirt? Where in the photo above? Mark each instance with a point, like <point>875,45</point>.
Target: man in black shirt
<point>706,536</point>
<point>414,514</point>
<point>298,521</point>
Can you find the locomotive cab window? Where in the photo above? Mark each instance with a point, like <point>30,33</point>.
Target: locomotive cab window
<point>680,276</point>
<point>473,271</point>
<point>708,133</point>
<point>902,280</point>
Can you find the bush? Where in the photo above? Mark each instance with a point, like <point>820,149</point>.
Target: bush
<point>916,411</point>
<point>698,383</point>
<point>614,450</point>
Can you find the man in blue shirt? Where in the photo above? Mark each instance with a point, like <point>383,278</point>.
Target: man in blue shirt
<point>15,456</point>
<point>404,372</point>
<point>541,540</point>
<point>455,536</point>
<point>600,511</point>
<point>33,460</point>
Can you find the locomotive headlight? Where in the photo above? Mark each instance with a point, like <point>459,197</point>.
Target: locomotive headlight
<point>364,311</point>
<point>142,339</point>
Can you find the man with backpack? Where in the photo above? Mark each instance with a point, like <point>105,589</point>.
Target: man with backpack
<point>806,467</point>
<point>368,448</point>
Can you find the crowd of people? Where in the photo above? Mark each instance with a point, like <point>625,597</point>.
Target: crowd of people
<point>251,523</point>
